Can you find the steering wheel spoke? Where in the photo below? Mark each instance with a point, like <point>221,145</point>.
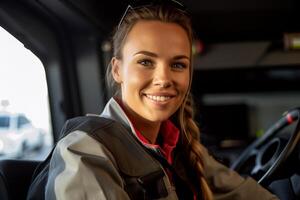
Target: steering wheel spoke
<point>266,154</point>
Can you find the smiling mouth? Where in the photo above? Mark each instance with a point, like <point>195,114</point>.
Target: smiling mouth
<point>158,98</point>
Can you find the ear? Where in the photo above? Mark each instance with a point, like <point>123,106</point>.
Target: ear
<point>116,70</point>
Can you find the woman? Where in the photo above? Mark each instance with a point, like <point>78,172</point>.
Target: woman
<point>151,71</point>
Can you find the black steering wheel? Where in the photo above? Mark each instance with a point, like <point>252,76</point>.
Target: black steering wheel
<point>266,155</point>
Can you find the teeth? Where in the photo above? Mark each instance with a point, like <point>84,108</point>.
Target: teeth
<point>158,98</point>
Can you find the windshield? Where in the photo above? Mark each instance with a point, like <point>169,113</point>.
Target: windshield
<point>4,121</point>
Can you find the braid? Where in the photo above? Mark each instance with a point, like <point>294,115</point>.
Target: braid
<point>191,144</point>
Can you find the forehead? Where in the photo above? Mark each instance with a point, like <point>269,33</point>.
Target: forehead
<point>159,37</point>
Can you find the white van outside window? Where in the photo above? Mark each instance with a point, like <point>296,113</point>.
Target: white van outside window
<point>25,126</point>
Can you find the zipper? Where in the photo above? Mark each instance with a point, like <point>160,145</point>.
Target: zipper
<point>165,173</point>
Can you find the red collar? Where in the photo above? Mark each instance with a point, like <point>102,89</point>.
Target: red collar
<point>169,133</point>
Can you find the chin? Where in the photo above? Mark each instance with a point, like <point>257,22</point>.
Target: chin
<point>159,117</point>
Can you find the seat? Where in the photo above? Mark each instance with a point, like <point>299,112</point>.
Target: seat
<point>3,188</point>
<point>15,178</point>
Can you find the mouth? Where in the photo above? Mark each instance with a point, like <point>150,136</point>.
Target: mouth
<point>158,98</point>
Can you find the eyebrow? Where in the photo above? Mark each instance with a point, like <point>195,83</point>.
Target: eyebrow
<point>181,57</point>
<point>147,53</point>
<point>151,54</point>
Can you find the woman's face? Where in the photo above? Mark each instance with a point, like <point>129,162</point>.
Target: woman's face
<point>154,72</point>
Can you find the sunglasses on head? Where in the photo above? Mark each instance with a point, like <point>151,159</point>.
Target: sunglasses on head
<point>142,3</point>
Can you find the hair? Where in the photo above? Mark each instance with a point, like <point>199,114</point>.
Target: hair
<point>190,133</point>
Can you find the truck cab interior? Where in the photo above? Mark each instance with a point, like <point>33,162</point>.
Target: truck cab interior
<point>245,83</point>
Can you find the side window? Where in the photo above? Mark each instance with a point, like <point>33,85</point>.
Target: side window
<point>22,121</point>
<point>4,122</point>
<point>24,100</point>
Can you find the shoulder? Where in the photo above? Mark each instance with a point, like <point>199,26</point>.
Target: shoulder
<point>87,124</point>
<point>77,137</point>
<point>99,128</point>
<point>96,135</point>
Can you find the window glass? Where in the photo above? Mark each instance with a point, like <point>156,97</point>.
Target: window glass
<point>23,99</point>
<point>4,122</point>
<point>22,121</point>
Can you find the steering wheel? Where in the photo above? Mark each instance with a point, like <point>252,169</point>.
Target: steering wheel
<point>265,156</point>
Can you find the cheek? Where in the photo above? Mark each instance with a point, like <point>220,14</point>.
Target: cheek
<point>183,83</point>
<point>134,80</point>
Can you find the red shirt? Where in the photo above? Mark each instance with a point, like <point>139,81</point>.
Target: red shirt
<point>169,133</point>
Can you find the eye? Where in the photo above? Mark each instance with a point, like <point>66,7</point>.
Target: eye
<point>146,62</point>
<point>179,65</point>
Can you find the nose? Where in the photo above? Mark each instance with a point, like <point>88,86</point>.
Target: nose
<point>162,76</point>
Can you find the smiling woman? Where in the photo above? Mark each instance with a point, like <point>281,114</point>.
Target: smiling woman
<point>145,144</point>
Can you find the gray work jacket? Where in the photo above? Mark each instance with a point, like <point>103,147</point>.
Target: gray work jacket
<point>82,167</point>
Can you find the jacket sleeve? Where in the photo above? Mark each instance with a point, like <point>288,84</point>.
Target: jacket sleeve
<point>226,184</point>
<point>82,168</point>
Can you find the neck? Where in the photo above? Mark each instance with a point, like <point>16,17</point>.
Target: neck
<point>147,128</point>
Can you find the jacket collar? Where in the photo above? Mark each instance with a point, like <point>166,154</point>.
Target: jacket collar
<point>114,111</point>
